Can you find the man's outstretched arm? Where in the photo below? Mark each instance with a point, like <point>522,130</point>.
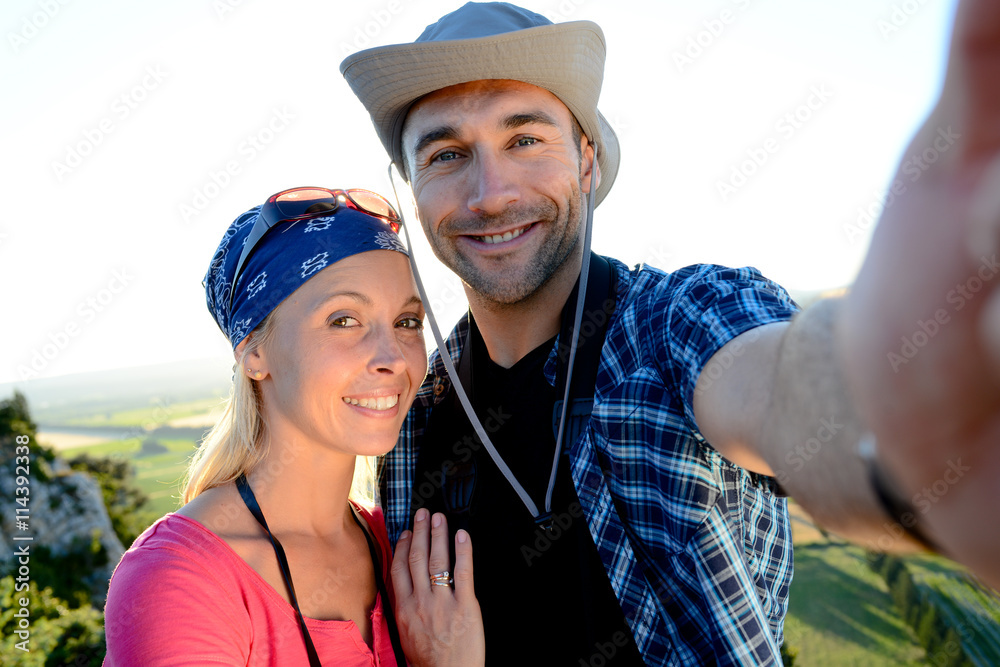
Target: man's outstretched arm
<point>908,355</point>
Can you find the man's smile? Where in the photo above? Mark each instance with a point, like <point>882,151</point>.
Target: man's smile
<point>500,239</point>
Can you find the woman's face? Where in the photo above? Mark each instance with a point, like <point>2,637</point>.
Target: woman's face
<point>347,355</point>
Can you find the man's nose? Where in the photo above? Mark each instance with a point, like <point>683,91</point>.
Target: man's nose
<point>494,184</point>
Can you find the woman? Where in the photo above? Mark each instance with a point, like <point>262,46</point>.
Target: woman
<point>268,562</point>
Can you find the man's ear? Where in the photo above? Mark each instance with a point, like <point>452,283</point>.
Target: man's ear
<point>587,163</point>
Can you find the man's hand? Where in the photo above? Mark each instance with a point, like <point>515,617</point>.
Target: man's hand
<point>920,334</point>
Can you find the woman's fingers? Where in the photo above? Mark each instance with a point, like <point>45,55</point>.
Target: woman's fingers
<point>419,548</point>
<point>464,588</point>
<point>440,560</point>
<point>438,626</point>
<point>400,571</point>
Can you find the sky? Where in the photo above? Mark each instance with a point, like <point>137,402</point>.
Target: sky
<point>753,132</point>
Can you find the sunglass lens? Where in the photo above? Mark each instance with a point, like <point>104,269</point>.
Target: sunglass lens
<point>295,203</point>
<point>374,203</point>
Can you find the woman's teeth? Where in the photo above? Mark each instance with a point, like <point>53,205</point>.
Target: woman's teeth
<point>380,403</point>
<point>501,238</point>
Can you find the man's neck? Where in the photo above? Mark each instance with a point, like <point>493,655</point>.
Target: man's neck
<point>512,331</point>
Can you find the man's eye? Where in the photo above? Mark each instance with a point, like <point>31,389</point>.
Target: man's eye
<point>343,322</point>
<point>411,323</point>
<point>527,141</point>
<point>446,156</point>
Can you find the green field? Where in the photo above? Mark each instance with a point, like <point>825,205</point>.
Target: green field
<point>159,476</point>
<point>158,413</point>
<point>840,612</point>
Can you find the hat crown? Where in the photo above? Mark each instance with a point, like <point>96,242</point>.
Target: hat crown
<point>481,19</point>
<point>483,41</point>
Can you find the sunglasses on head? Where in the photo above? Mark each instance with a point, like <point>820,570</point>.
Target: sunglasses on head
<point>305,203</point>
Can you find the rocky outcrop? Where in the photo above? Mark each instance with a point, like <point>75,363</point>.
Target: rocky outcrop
<point>66,513</point>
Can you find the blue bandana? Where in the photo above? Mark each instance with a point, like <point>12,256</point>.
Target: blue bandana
<point>286,257</point>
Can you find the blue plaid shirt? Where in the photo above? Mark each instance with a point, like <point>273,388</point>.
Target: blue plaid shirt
<point>699,550</point>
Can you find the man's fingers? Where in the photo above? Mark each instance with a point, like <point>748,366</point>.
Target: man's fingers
<point>464,588</point>
<point>439,560</point>
<point>984,212</point>
<point>400,571</point>
<point>989,328</point>
<point>419,548</point>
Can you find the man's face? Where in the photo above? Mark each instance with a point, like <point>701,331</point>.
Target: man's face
<point>499,183</point>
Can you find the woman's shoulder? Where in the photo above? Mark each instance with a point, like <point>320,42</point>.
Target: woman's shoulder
<point>183,546</point>
<point>220,510</point>
<point>176,592</point>
<point>175,546</point>
<point>178,585</point>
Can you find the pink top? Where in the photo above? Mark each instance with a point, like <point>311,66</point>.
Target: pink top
<point>182,596</point>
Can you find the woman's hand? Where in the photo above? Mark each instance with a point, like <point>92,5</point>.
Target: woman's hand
<point>438,625</point>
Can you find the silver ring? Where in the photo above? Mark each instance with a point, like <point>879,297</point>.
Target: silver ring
<point>442,579</point>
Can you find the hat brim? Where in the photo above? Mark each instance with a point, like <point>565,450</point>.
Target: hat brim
<point>567,59</point>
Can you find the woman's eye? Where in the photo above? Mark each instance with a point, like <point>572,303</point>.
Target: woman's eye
<point>411,323</point>
<point>343,322</point>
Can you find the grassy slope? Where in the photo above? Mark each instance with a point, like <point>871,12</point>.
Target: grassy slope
<point>153,414</point>
<point>159,476</point>
<point>840,612</point>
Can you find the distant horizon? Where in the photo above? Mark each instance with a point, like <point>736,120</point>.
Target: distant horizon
<point>802,297</point>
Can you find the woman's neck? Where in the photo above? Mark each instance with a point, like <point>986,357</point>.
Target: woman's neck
<point>302,487</point>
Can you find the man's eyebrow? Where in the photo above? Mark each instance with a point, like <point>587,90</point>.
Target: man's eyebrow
<point>442,133</point>
<point>511,122</point>
<point>517,120</point>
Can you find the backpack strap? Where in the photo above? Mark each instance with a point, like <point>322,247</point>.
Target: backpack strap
<point>599,305</point>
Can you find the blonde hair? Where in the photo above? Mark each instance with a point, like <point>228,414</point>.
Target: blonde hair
<point>236,444</point>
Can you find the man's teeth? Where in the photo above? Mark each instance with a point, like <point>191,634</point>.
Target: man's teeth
<point>380,403</point>
<point>500,238</point>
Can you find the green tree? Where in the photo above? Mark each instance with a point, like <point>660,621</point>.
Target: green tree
<point>124,500</point>
<point>59,623</point>
<point>56,634</point>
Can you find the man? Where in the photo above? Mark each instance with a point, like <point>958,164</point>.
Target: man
<point>661,534</point>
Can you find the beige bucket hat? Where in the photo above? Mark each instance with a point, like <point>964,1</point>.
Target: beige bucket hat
<point>493,40</point>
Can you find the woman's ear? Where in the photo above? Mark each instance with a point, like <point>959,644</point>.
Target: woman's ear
<point>252,358</point>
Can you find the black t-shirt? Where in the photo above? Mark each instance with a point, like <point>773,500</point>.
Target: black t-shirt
<point>545,596</point>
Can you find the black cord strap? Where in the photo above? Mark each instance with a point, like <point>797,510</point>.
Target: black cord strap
<point>390,618</point>
<point>251,502</point>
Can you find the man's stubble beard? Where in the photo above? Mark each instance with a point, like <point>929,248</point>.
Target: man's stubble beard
<point>503,288</point>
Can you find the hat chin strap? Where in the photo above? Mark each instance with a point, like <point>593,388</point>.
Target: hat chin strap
<point>574,341</point>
